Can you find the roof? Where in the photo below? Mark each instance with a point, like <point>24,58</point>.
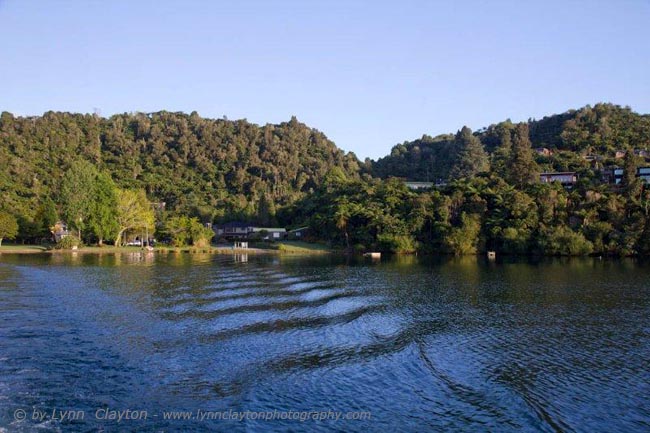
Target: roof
<point>269,229</point>
<point>558,173</point>
<point>418,183</point>
<point>236,224</point>
<point>299,229</point>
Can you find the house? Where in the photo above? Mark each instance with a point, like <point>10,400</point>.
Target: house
<point>566,178</point>
<point>642,153</point>
<point>233,230</point>
<point>299,233</point>
<point>614,175</point>
<point>543,151</point>
<point>59,231</point>
<point>267,233</point>
<point>418,185</point>
<point>158,206</point>
<point>244,230</point>
<point>643,173</point>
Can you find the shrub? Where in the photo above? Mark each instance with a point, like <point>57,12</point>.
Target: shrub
<point>67,243</point>
<point>402,244</point>
<point>562,241</point>
<point>464,239</point>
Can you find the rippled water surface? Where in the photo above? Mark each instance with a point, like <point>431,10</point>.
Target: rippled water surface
<point>421,345</point>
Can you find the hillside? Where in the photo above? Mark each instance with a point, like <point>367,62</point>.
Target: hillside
<point>596,131</point>
<point>60,165</point>
<point>213,169</point>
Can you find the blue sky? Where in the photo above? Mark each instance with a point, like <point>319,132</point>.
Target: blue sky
<point>369,74</point>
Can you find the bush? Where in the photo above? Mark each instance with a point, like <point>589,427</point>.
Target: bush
<point>402,244</point>
<point>183,230</point>
<point>67,243</point>
<point>464,239</point>
<point>515,241</point>
<point>562,241</point>
<point>200,235</point>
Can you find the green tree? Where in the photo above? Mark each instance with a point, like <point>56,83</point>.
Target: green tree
<point>502,155</point>
<point>471,159</point>
<point>563,241</point>
<point>102,219</point>
<point>184,230</point>
<point>177,228</point>
<point>46,217</point>
<point>133,213</point>
<point>464,239</point>
<point>266,211</point>
<point>77,190</point>
<point>643,243</point>
<point>630,183</point>
<point>342,216</point>
<point>522,169</point>
<point>199,233</point>
<point>8,226</point>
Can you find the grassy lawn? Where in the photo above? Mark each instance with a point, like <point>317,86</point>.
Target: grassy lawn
<point>290,247</point>
<point>5,248</point>
<point>301,247</point>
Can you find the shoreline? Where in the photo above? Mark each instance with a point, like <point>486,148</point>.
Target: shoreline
<point>109,249</point>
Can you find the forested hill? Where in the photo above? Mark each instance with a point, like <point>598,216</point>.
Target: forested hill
<point>600,131</point>
<point>198,166</point>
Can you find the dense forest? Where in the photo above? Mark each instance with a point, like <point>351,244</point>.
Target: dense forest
<point>214,170</point>
<point>489,195</point>
<point>570,139</point>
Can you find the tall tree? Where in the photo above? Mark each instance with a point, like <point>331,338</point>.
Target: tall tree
<point>630,183</point>
<point>177,228</point>
<point>522,169</point>
<point>102,219</point>
<point>46,216</point>
<point>77,194</point>
<point>8,226</point>
<point>502,154</point>
<point>341,218</point>
<point>266,211</point>
<point>472,158</point>
<point>133,212</point>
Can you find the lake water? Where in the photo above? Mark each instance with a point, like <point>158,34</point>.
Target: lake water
<point>404,344</point>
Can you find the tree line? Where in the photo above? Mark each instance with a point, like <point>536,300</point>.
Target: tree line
<point>570,137</point>
<point>492,202</point>
<point>208,169</point>
<point>173,172</point>
<point>95,210</point>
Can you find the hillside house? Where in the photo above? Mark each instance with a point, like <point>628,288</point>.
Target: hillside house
<point>543,151</point>
<point>643,173</point>
<point>614,175</point>
<point>642,153</point>
<point>566,178</point>
<point>415,186</point>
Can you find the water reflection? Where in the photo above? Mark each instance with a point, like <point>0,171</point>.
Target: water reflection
<point>240,258</point>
